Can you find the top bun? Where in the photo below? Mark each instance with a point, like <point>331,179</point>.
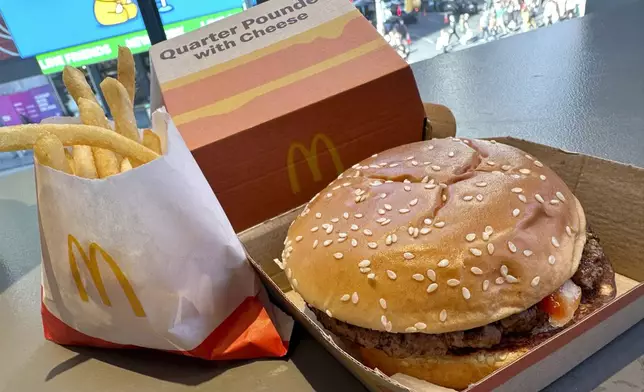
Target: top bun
<point>436,236</point>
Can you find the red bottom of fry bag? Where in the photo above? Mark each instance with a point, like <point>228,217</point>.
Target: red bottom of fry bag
<point>247,333</point>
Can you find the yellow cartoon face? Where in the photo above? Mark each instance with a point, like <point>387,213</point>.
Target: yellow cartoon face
<point>113,12</point>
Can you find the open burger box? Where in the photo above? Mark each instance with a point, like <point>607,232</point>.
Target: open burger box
<point>610,193</point>
<point>275,102</point>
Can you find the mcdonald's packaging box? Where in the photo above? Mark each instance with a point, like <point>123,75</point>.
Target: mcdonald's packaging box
<point>148,259</point>
<point>278,100</point>
<point>611,195</point>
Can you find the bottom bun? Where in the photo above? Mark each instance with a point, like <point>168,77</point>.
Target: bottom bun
<point>452,371</point>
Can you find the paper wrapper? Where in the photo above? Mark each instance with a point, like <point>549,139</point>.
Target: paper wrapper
<point>148,258</point>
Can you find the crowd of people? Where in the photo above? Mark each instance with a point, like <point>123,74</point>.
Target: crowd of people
<point>501,17</point>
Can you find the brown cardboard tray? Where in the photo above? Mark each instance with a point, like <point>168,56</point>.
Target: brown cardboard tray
<point>610,193</point>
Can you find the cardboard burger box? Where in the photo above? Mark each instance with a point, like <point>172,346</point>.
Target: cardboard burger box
<point>276,101</point>
<point>610,193</point>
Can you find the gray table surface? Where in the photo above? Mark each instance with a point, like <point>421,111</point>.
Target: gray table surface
<point>576,85</point>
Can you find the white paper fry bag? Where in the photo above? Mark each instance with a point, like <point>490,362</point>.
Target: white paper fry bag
<point>147,258</point>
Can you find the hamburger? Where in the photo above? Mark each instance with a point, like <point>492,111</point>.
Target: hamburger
<point>446,259</point>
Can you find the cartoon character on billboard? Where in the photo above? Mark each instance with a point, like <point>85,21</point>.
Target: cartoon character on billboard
<point>113,12</point>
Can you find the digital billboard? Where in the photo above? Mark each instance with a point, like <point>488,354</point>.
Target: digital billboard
<point>79,32</point>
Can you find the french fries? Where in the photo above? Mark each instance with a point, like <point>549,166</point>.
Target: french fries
<point>152,141</point>
<point>76,84</point>
<point>21,137</point>
<point>70,159</point>
<point>122,109</point>
<point>126,71</point>
<point>50,152</point>
<point>107,163</point>
<point>84,165</point>
<point>125,165</point>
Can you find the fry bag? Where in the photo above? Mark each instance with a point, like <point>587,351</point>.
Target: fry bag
<point>147,258</point>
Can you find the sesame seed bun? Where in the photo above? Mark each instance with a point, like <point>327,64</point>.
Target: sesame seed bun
<point>437,236</point>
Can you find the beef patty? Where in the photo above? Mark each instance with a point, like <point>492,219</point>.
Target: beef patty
<point>595,276</point>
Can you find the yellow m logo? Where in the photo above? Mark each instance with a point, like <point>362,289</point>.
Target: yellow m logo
<point>311,156</point>
<point>92,266</point>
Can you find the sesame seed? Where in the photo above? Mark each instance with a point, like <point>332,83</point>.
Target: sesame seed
<point>342,235</point>
<point>506,167</point>
<point>329,229</point>
<point>279,263</point>
<point>517,190</point>
<point>443,263</point>
<point>345,298</point>
<point>504,270</point>
<point>425,230</point>
<point>328,313</point>
<point>512,247</point>
<point>393,165</point>
<point>403,210</point>
<point>409,158</point>
<point>354,297</point>
<point>294,282</point>
<point>511,279</point>
<point>346,184</point>
<point>481,184</point>
<point>367,232</point>
<point>408,255</point>
<point>522,198</point>
<point>431,147</point>
<point>479,197</point>
<point>432,287</point>
<point>374,155</point>
<point>470,237</point>
<point>569,231</point>
<point>466,293</point>
<point>427,221</point>
<point>439,224</point>
<point>388,327</point>
<point>499,280</point>
<point>560,196</point>
<point>420,325</point>
<point>342,239</point>
<point>376,183</point>
<point>453,282</point>
<point>551,259</point>
<point>554,201</point>
<point>358,216</point>
<point>327,242</point>
<point>538,164</point>
<point>391,274</point>
<point>394,238</point>
<point>388,207</point>
<point>476,271</point>
<point>383,195</point>
<point>388,240</point>
<point>489,229</point>
<point>289,273</point>
<point>298,238</point>
<point>345,215</point>
<point>372,245</point>
<point>524,171</point>
<point>486,284</point>
<point>328,195</point>
<point>425,180</point>
<point>413,202</point>
<point>414,163</point>
<point>529,156</point>
<point>555,242</point>
<point>444,197</point>
<point>535,281</point>
<point>515,176</point>
<point>436,168</point>
<point>406,181</point>
<point>516,212</point>
<point>407,188</point>
<point>338,255</point>
<point>383,320</point>
<point>385,222</point>
<point>418,277</point>
<point>410,329</point>
<point>527,252</point>
<point>318,215</point>
<point>354,227</point>
<point>410,230</point>
<point>314,229</point>
<point>468,198</point>
<point>371,276</point>
<point>542,177</point>
<point>539,198</point>
<point>383,303</point>
<point>354,242</point>
<point>315,244</point>
<point>335,188</point>
<point>485,236</point>
<point>476,252</point>
<point>380,220</point>
<point>430,186</point>
<point>443,315</point>
<point>364,263</point>
<point>491,163</point>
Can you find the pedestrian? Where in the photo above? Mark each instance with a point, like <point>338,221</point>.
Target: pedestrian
<point>550,12</point>
<point>452,30</point>
<point>484,24</point>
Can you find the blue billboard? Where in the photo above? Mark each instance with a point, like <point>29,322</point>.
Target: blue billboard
<point>40,26</point>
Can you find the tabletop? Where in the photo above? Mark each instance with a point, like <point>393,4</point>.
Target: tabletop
<point>576,85</point>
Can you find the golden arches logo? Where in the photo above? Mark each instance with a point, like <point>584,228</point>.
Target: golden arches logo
<point>311,156</point>
<point>92,265</point>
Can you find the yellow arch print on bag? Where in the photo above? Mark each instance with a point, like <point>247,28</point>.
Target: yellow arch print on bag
<point>95,274</point>
<point>311,156</point>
